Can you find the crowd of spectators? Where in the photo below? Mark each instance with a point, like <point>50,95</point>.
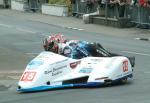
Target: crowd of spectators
<point>120,4</point>
<point>137,11</point>
<point>143,3</point>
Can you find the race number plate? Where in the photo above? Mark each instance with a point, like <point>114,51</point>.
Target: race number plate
<point>28,76</point>
<point>125,66</point>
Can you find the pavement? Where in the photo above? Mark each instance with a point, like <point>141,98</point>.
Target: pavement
<point>75,23</point>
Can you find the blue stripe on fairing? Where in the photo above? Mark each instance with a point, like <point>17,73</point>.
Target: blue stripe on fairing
<point>40,88</point>
<point>89,84</point>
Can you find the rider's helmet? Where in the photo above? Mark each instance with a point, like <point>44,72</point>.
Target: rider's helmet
<point>51,44</point>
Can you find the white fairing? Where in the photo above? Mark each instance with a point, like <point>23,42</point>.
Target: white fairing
<point>50,70</point>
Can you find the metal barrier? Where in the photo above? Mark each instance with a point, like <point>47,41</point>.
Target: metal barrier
<point>141,16</point>
<point>34,5</point>
<point>116,11</point>
<point>5,3</point>
<point>113,11</point>
<point>112,15</point>
<point>138,16</point>
<point>80,8</point>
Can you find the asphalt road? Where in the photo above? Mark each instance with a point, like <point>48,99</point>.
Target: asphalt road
<point>21,40</point>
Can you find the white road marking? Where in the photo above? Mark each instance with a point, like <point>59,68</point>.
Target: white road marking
<point>5,25</point>
<point>146,39</point>
<point>32,53</point>
<point>25,30</point>
<point>137,38</point>
<point>136,53</point>
<point>74,28</point>
<point>80,29</point>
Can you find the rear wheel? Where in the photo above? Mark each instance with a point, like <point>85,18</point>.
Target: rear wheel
<point>124,80</point>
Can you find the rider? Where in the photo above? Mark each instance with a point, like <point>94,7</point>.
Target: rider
<point>54,43</point>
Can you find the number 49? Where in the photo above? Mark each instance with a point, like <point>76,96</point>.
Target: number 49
<point>125,66</point>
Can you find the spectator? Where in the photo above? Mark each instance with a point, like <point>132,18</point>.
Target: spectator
<point>122,5</point>
<point>113,8</point>
<point>141,2</point>
<point>129,2</point>
<point>147,3</point>
<point>144,3</point>
<point>90,5</point>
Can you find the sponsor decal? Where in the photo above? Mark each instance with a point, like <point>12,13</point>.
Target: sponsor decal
<point>58,70</point>
<point>74,64</point>
<point>34,64</point>
<point>28,76</point>
<point>55,71</point>
<point>48,72</point>
<point>86,70</point>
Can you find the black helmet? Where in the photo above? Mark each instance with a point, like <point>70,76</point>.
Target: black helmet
<point>50,45</point>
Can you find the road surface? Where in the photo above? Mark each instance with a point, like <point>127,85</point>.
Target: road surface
<point>21,40</point>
